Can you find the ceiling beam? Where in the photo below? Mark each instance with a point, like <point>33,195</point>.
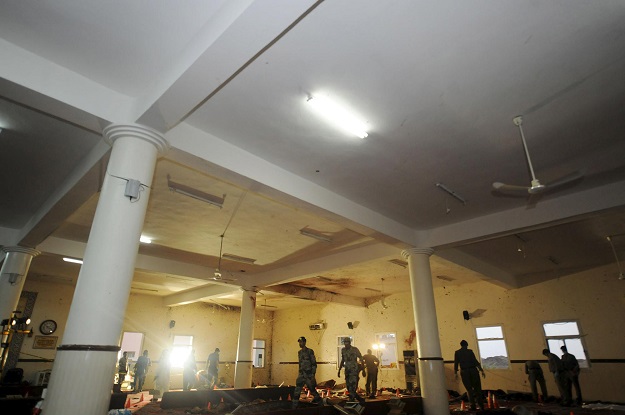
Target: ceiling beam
<point>84,182</point>
<point>304,269</point>
<point>200,293</point>
<point>314,294</point>
<point>491,274</point>
<point>299,191</point>
<point>547,212</point>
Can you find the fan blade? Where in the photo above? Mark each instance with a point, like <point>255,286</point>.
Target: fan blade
<point>569,178</point>
<point>502,187</point>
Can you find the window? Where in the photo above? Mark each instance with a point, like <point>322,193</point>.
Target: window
<point>566,333</point>
<point>258,353</point>
<point>492,347</point>
<point>131,343</point>
<point>180,350</point>
<point>385,348</point>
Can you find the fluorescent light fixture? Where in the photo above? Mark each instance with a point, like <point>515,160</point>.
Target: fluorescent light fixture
<point>452,193</point>
<point>238,258</point>
<point>73,260</point>
<point>315,234</point>
<point>338,115</point>
<point>145,239</point>
<point>196,194</point>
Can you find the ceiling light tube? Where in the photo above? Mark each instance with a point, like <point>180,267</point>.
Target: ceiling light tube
<point>317,236</point>
<point>338,115</point>
<point>145,239</point>
<point>196,194</point>
<point>238,258</point>
<point>73,260</point>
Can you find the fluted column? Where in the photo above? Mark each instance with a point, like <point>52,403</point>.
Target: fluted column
<point>12,276</point>
<point>82,375</point>
<point>243,367</point>
<point>431,364</point>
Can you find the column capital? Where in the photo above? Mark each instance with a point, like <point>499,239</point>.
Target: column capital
<point>252,289</point>
<point>20,249</point>
<point>407,252</point>
<point>115,131</point>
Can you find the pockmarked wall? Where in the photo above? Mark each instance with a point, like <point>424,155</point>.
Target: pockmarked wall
<point>52,303</point>
<point>210,325</point>
<point>595,299</point>
<point>290,324</point>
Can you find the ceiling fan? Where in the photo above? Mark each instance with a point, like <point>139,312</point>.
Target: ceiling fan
<point>535,187</point>
<point>217,276</point>
<point>265,319</point>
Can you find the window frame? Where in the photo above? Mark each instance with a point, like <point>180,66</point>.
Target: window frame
<point>263,356</point>
<point>561,340</point>
<point>390,348</point>
<point>482,341</point>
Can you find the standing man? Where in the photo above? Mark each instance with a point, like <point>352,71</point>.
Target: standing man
<point>188,372</point>
<point>122,368</point>
<point>535,374</point>
<point>351,358</point>
<point>306,374</point>
<point>141,370</point>
<point>371,364</point>
<point>212,368</point>
<point>469,366</point>
<point>571,366</point>
<point>562,380</point>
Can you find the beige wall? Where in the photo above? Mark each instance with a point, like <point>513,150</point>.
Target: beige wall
<point>595,298</point>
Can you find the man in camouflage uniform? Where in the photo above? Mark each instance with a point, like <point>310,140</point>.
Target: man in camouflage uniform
<point>307,370</point>
<point>351,358</point>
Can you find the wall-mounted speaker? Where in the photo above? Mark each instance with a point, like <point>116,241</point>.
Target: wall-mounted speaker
<point>466,315</point>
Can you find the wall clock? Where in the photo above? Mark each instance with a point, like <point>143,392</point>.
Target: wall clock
<point>47,327</point>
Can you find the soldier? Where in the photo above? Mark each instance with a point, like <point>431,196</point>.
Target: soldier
<point>571,366</point>
<point>562,380</point>
<point>212,369</point>
<point>371,363</point>
<point>469,367</point>
<point>122,369</point>
<point>535,374</point>
<point>141,370</point>
<point>351,358</point>
<point>307,370</point>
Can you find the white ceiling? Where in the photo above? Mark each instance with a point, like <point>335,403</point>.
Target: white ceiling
<point>227,83</point>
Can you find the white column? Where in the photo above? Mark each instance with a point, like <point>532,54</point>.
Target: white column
<point>12,277</point>
<point>431,369</point>
<point>82,375</point>
<point>243,366</point>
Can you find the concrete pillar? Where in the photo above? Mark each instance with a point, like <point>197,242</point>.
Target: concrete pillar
<point>431,364</point>
<point>82,374</point>
<point>12,277</point>
<point>243,367</point>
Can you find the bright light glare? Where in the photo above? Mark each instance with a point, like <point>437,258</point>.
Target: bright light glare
<point>75,261</point>
<point>338,115</point>
<point>179,355</point>
<point>145,239</point>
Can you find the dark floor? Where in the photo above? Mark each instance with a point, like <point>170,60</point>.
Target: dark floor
<point>519,407</point>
